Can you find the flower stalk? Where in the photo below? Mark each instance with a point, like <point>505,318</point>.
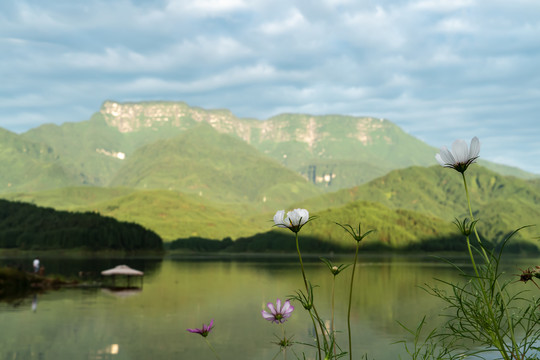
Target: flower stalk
<point>358,236</point>
<point>486,279</point>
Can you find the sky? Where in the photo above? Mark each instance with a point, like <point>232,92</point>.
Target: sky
<point>440,69</point>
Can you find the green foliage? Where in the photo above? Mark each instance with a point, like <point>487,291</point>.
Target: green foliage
<point>29,227</point>
<point>435,194</point>
<point>30,166</point>
<point>83,148</point>
<point>213,165</point>
<point>354,149</point>
<point>191,172</point>
<point>268,242</point>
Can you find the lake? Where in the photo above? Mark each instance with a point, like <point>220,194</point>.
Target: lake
<point>184,293</point>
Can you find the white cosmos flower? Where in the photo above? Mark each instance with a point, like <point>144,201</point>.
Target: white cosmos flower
<point>294,221</point>
<point>461,155</point>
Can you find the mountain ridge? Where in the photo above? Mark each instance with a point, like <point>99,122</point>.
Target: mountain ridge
<point>196,169</point>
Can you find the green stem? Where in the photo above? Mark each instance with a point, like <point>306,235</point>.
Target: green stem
<point>350,299</point>
<point>332,320</point>
<point>284,340</point>
<point>211,348</point>
<point>308,294</point>
<point>472,217</point>
<point>499,339</point>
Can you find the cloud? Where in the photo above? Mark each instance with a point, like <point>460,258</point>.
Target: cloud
<point>205,7</point>
<point>440,69</point>
<point>292,22</point>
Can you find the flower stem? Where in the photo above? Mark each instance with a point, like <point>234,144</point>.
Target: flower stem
<point>499,341</point>
<point>284,348</point>
<point>308,294</point>
<point>472,217</point>
<point>333,338</point>
<point>211,348</point>
<point>350,299</point>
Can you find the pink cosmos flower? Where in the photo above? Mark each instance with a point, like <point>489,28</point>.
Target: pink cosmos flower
<point>205,329</point>
<point>278,314</point>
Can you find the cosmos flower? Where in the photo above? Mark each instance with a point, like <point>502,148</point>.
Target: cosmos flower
<point>205,329</point>
<point>461,156</point>
<point>277,313</point>
<point>294,221</point>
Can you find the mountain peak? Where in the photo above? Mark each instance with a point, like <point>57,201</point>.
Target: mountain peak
<point>134,116</point>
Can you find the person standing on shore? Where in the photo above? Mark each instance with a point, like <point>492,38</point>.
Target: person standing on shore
<point>36,265</point>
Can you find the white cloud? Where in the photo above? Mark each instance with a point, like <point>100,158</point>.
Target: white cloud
<point>442,5</point>
<point>375,28</point>
<point>293,21</point>
<point>455,25</point>
<point>205,7</point>
<point>191,53</point>
<point>438,68</point>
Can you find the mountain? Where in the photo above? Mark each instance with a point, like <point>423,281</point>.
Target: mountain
<point>501,203</point>
<point>169,213</point>
<point>182,171</point>
<point>213,165</point>
<point>90,150</point>
<point>30,166</point>
<point>333,151</point>
<point>29,227</point>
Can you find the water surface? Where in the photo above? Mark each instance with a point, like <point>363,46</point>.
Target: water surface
<point>178,294</point>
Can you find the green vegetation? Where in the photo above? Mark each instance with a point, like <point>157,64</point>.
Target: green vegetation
<point>29,166</point>
<point>215,166</point>
<point>26,227</point>
<point>352,149</point>
<point>195,173</point>
<point>434,195</point>
<point>410,208</point>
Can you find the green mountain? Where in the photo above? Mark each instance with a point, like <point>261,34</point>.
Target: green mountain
<point>25,226</point>
<point>215,166</point>
<point>186,172</point>
<point>90,150</point>
<point>30,166</point>
<point>501,203</point>
<point>333,152</point>
<point>170,214</point>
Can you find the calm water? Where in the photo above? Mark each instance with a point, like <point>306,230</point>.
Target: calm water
<point>177,294</point>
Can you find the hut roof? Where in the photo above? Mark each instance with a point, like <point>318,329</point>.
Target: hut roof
<point>122,270</point>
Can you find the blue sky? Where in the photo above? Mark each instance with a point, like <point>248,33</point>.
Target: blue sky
<point>440,69</point>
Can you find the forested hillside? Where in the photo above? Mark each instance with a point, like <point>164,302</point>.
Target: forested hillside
<point>29,227</point>
<point>185,173</point>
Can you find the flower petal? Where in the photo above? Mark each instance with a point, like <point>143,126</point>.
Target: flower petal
<point>278,218</point>
<point>304,215</point>
<point>446,156</point>
<point>460,150</point>
<point>271,307</point>
<point>474,151</point>
<point>439,159</point>
<point>298,217</point>
<point>287,309</point>
<point>268,316</point>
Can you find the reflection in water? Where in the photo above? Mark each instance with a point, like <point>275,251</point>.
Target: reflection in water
<point>34,303</point>
<point>87,268</point>
<point>121,292</point>
<point>106,353</point>
<point>150,324</point>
